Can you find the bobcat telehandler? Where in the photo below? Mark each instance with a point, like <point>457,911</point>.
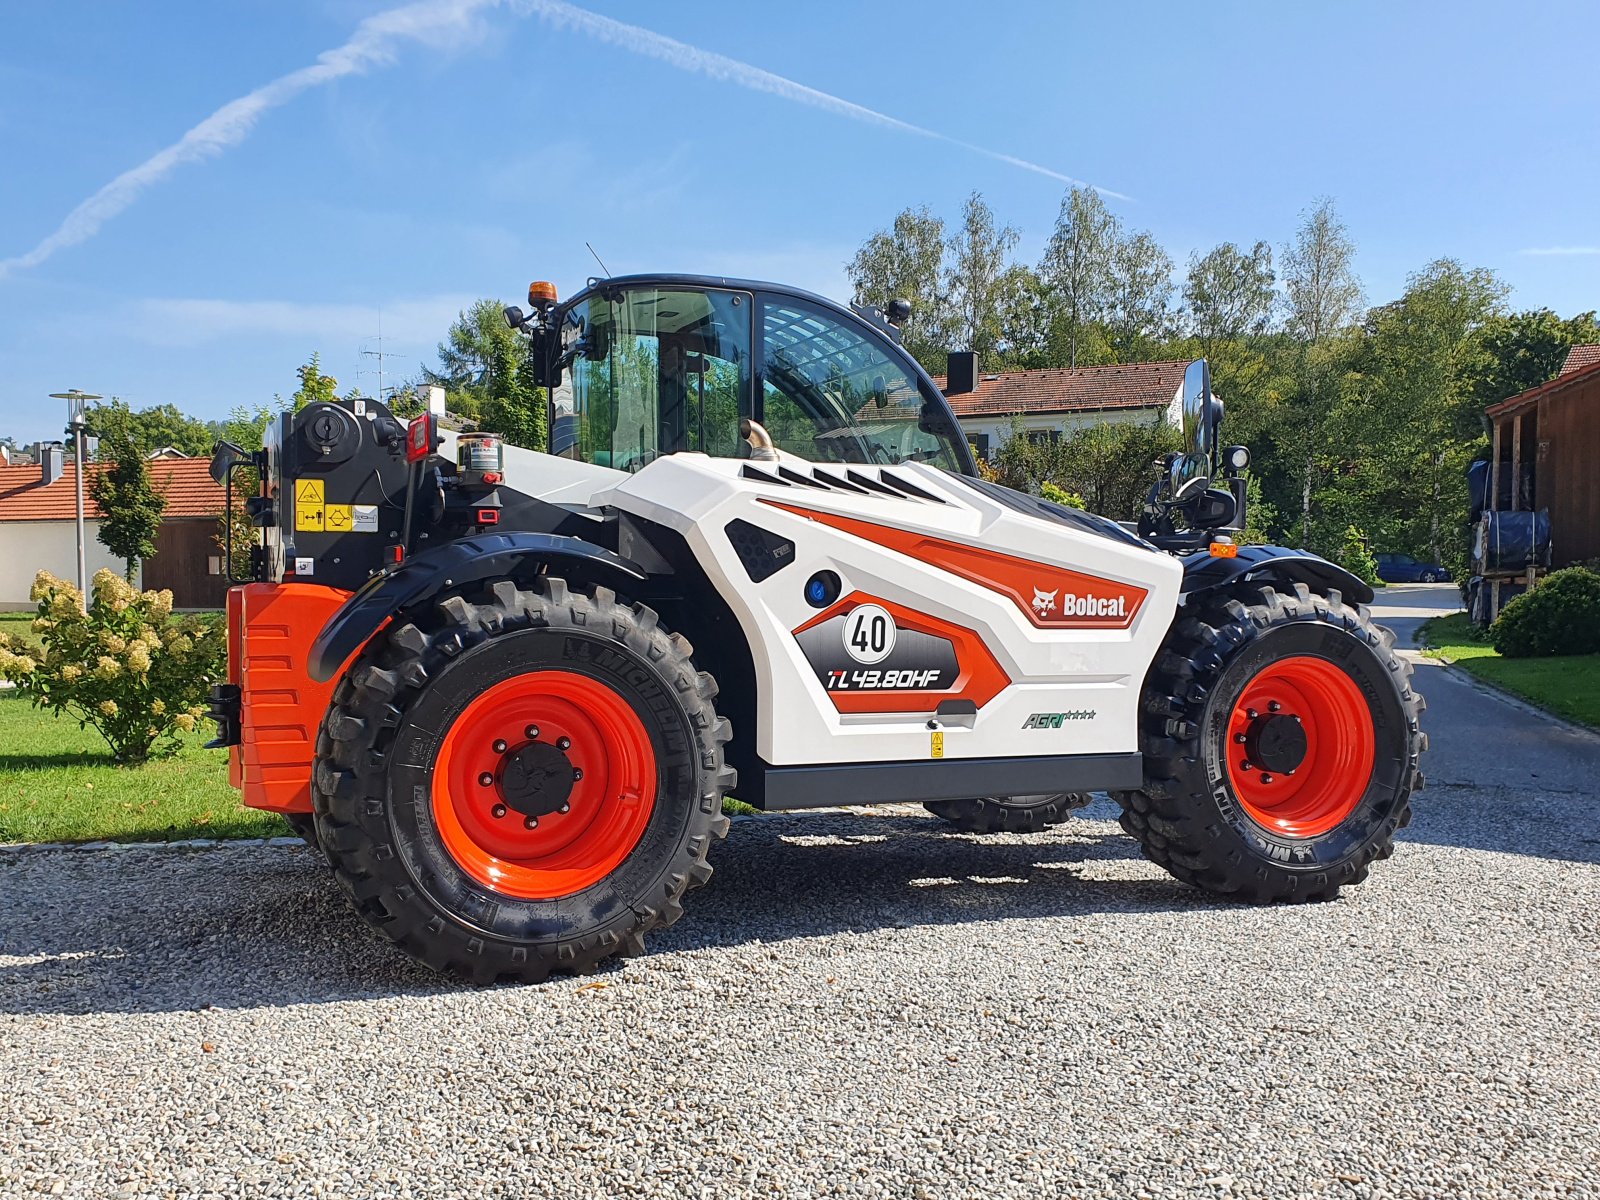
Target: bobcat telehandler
<point>506,692</point>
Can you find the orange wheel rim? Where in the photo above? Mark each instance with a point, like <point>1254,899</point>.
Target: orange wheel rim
<point>544,784</point>
<point>1300,747</point>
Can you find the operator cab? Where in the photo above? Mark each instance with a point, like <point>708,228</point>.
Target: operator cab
<point>641,366</point>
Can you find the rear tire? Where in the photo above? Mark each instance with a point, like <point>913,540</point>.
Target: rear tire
<point>1214,819</point>
<point>523,782</point>
<point>1008,814</point>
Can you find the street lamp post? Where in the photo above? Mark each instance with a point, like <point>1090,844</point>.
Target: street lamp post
<point>77,422</point>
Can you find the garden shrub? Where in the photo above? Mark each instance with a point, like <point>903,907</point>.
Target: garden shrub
<point>127,666</point>
<point>1059,495</point>
<point>1355,556</point>
<point>1560,616</point>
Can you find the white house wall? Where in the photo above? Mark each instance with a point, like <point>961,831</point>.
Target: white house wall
<point>28,547</point>
<point>999,427</point>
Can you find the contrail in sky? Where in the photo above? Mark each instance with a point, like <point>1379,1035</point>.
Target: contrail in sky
<point>731,70</point>
<point>430,22</point>
<point>372,44</point>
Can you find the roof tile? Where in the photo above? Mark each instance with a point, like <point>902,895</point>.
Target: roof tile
<point>1579,357</point>
<point>187,482</point>
<point>1068,390</point>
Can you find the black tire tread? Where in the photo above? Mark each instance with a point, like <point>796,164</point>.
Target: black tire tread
<point>1161,815</point>
<point>1003,814</point>
<point>369,701</point>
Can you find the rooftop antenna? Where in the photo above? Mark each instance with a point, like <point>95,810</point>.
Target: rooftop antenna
<point>604,270</point>
<point>380,354</point>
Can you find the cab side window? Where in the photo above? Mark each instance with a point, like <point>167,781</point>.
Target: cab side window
<point>833,393</point>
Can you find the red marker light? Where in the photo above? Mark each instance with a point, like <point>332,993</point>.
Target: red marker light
<point>488,516</point>
<point>492,476</point>
<point>420,436</point>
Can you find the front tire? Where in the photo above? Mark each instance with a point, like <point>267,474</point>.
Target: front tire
<point>1313,691</point>
<point>1008,814</point>
<point>522,782</point>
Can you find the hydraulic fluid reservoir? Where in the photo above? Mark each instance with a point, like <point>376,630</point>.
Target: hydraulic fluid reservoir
<point>480,459</point>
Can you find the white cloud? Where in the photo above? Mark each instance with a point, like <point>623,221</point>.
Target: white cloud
<point>194,322</point>
<point>1561,251</point>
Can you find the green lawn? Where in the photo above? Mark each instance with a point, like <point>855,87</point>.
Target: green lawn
<point>58,784</point>
<point>1566,685</point>
<point>19,624</point>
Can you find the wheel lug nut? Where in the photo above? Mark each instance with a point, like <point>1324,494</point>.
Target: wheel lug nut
<point>533,733</point>
<point>1274,706</point>
<point>1245,766</point>
<point>565,808</point>
<point>486,779</point>
<point>1265,777</point>
<point>563,743</point>
<point>1239,737</point>
<point>499,810</point>
<point>1251,713</point>
<point>577,773</point>
<point>500,747</point>
<point>530,823</point>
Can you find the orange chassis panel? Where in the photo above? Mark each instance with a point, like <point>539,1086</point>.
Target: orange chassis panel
<point>270,631</point>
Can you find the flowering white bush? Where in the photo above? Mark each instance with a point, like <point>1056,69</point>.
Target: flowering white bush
<point>127,667</point>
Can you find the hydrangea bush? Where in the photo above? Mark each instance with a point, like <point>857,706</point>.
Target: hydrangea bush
<point>127,666</point>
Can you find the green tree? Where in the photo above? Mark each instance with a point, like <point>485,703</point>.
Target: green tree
<point>1229,293</point>
<point>1320,287</point>
<point>1139,305</point>
<point>906,262</point>
<point>161,426</point>
<point>1416,423</point>
<point>515,408</point>
<point>1323,298</point>
<point>982,283</point>
<point>1076,270</point>
<point>1523,350</point>
<point>478,347</point>
<point>130,504</point>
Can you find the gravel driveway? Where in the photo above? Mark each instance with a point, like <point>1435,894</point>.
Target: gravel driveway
<point>858,1005</point>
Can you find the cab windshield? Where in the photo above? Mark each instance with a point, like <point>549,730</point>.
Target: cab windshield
<point>667,369</point>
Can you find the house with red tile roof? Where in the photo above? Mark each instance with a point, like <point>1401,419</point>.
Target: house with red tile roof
<point>1053,401</point>
<point>1579,358</point>
<point>38,507</point>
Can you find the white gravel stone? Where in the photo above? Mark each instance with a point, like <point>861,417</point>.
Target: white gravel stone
<point>859,1005</point>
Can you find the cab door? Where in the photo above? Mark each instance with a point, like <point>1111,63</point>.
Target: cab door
<point>667,369</point>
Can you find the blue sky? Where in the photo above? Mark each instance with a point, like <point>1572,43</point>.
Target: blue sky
<point>460,148</point>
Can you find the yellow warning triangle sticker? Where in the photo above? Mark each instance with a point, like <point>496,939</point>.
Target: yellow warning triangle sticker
<point>308,491</point>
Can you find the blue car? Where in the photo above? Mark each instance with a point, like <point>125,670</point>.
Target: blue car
<point>1402,568</point>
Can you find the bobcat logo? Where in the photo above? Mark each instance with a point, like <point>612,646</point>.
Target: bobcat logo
<point>1044,603</point>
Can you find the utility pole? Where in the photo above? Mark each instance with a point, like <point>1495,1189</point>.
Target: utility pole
<point>77,423</point>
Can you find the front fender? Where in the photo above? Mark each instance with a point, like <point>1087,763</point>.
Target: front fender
<point>466,560</point>
<point>1202,572</point>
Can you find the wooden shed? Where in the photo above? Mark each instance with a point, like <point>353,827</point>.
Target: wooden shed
<point>1549,436</point>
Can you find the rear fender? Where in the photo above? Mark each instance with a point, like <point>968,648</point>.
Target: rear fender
<point>466,560</point>
<point>1202,572</point>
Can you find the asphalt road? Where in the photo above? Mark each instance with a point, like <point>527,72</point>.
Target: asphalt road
<point>858,1005</point>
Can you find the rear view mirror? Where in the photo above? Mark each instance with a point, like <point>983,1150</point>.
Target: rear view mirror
<point>223,456</point>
